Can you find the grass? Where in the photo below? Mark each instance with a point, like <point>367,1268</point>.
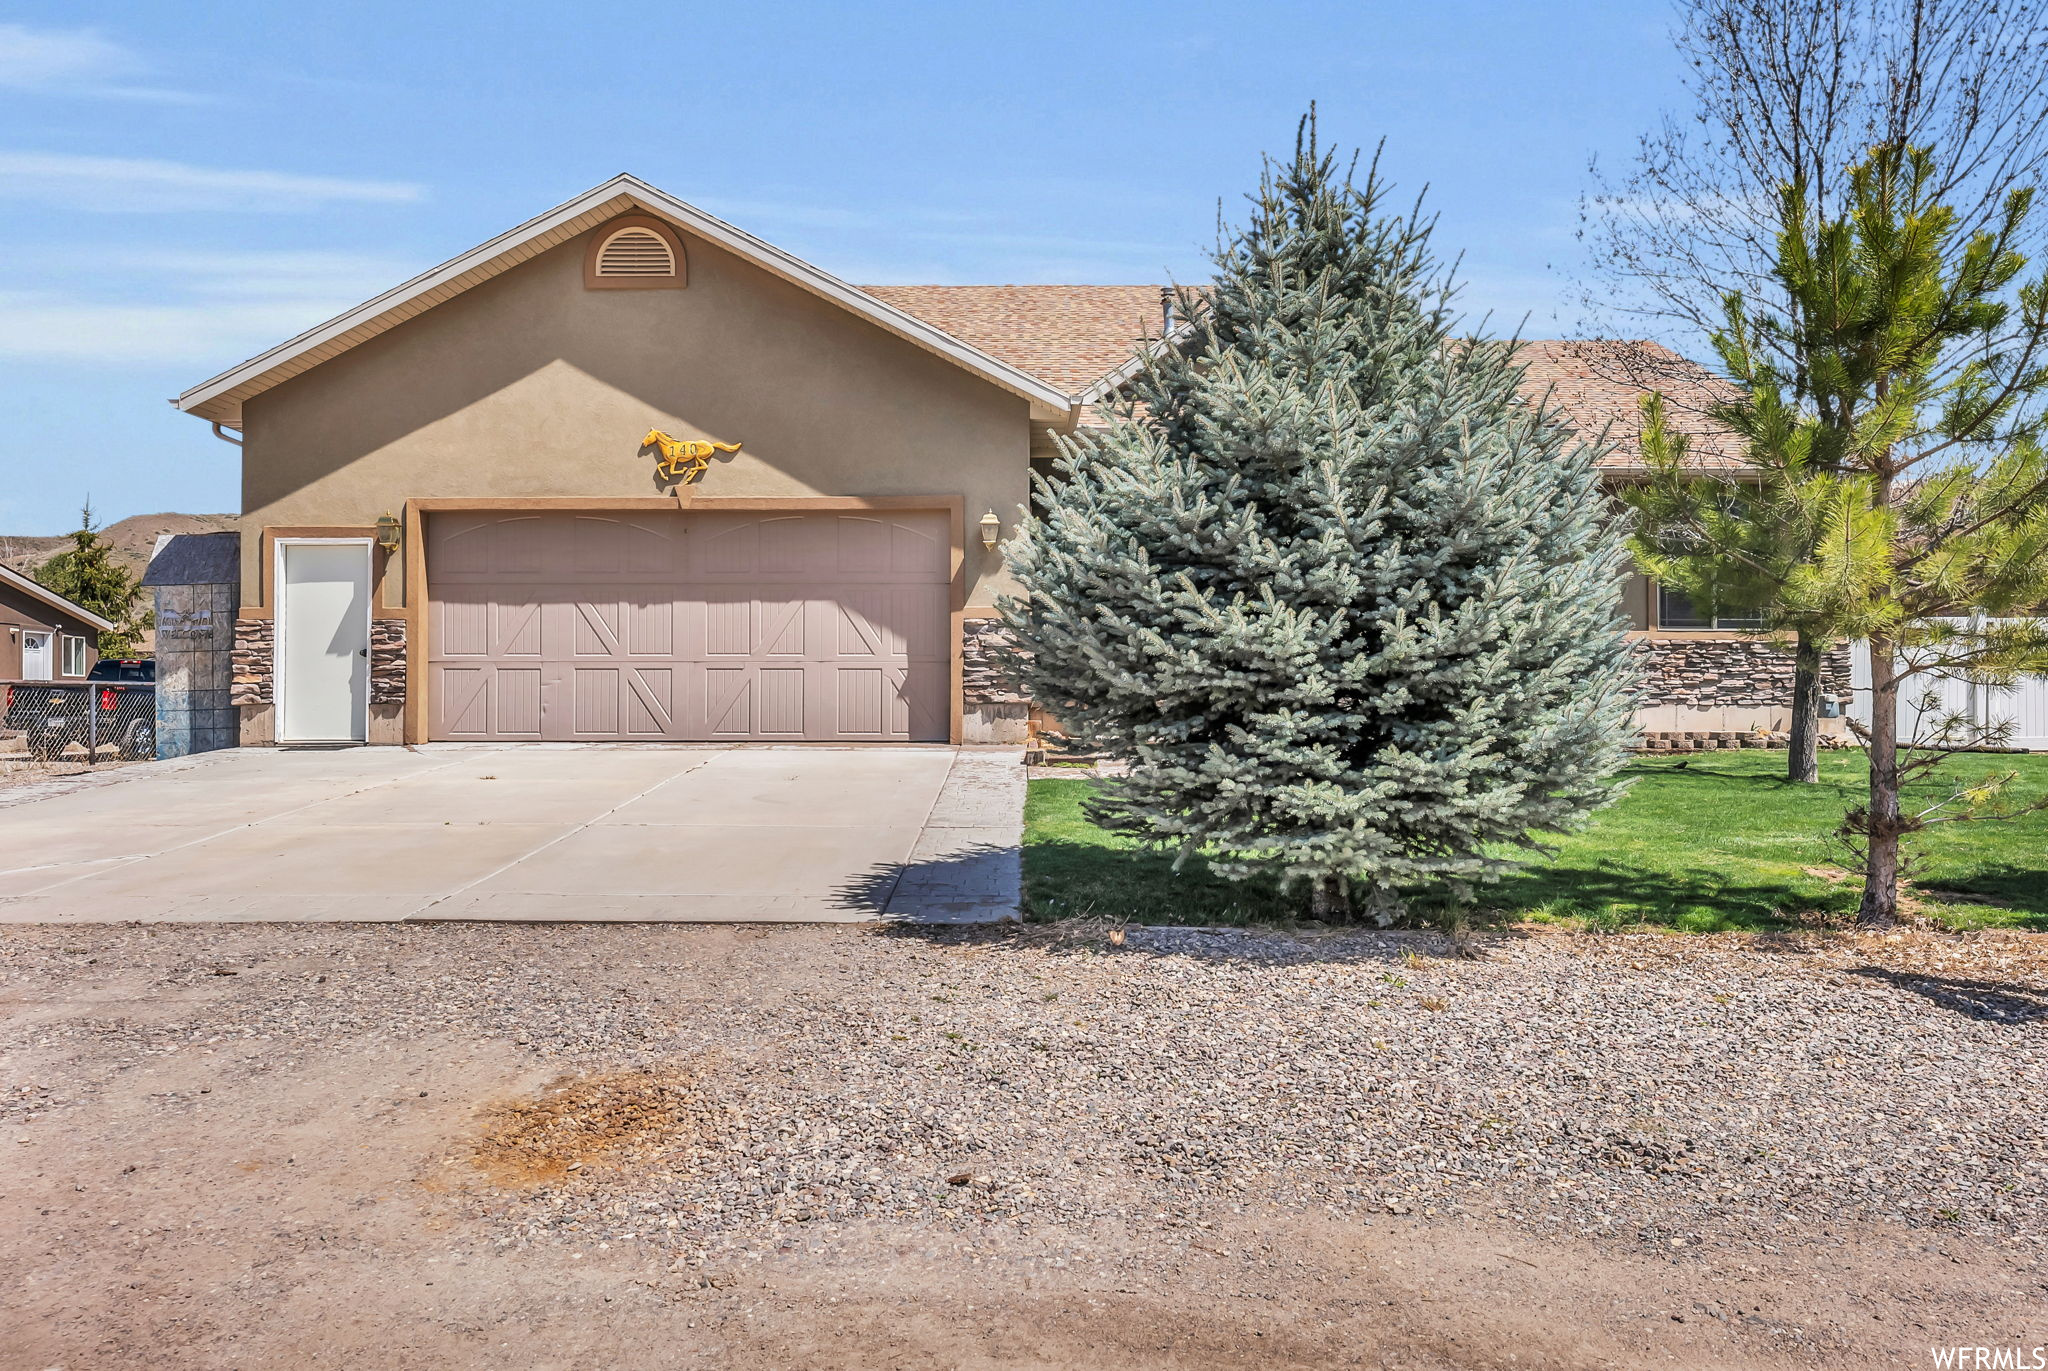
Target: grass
<point>1718,841</point>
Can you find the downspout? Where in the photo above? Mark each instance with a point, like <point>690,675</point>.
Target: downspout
<point>222,434</point>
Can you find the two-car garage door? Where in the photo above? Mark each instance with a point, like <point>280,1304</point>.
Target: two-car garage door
<point>689,626</point>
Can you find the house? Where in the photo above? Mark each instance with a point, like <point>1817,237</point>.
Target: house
<point>43,636</point>
<point>628,472</point>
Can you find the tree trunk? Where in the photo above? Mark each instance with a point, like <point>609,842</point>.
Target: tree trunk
<point>1802,755</point>
<point>1328,901</point>
<point>1880,907</point>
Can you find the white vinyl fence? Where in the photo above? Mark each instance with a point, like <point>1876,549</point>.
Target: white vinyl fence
<point>2024,705</point>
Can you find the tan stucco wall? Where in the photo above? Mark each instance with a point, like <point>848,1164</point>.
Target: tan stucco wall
<point>1636,595</point>
<point>532,385</point>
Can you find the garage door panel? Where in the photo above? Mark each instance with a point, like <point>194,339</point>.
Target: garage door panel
<point>516,630</point>
<point>919,551</point>
<point>515,702</point>
<point>726,547</point>
<point>728,628</point>
<point>860,618</point>
<point>602,546</point>
<point>649,627</point>
<point>595,630</point>
<point>924,619</point>
<point>459,694</point>
<point>594,702</point>
<point>782,626</point>
<point>650,701</point>
<point>779,692</point>
<point>464,629</point>
<point>921,696</point>
<point>789,546</point>
<point>729,701</point>
<point>690,626</point>
<point>864,546</point>
<point>863,700</point>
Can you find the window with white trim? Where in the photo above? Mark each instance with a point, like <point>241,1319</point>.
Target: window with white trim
<point>1676,610</point>
<point>73,660</point>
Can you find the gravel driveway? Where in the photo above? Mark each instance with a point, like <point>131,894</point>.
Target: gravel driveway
<point>662,1146</point>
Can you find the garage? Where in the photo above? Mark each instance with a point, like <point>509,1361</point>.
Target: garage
<point>689,625</point>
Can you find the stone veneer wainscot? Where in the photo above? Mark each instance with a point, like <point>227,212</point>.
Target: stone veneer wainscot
<point>1709,673</point>
<point>255,657</point>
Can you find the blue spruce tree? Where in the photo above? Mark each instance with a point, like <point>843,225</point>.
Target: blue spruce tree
<point>1344,599</point>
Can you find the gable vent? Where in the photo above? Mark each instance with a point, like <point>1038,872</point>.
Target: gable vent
<point>636,254</point>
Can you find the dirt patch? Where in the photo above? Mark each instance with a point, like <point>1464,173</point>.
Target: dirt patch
<point>586,1123</point>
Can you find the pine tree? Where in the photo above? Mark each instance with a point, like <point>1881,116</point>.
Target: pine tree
<point>87,574</point>
<point>1916,389</point>
<point>1346,602</point>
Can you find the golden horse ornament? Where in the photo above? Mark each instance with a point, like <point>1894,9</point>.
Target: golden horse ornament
<point>682,459</point>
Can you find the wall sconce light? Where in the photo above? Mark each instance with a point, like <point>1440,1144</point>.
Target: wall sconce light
<point>387,532</point>
<point>991,529</point>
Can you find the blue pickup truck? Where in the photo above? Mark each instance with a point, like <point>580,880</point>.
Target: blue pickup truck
<point>114,706</point>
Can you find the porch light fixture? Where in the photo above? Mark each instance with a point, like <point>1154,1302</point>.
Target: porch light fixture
<point>387,532</point>
<point>991,529</point>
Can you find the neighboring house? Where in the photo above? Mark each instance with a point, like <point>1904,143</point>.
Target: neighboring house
<point>43,636</point>
<point>451,529</point>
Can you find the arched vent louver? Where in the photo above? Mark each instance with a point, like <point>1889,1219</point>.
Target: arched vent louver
<point>636,252</point>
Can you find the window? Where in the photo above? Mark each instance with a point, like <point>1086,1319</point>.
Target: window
<point>636,252</point>
<point>74,656</point>
<point>1675,610</point>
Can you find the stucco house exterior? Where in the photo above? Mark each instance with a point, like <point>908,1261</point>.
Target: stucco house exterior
<point>453,526</point>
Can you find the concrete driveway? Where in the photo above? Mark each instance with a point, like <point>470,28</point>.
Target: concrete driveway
<point>524,832</point>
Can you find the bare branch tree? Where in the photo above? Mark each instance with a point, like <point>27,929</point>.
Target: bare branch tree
<point>1799,90</point>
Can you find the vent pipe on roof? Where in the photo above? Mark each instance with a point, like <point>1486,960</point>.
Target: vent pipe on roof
<point>1166,311</point>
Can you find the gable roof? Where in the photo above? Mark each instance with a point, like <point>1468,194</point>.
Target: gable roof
<point>220,398</point>
<point>29,586</point>
<point>1060,347</point>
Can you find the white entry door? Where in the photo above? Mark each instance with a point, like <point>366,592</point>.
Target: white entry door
<point>323,642</point>
<point>35,656</point>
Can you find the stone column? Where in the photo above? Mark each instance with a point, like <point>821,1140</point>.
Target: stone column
<point>993,710</point>
<point>198,593</point>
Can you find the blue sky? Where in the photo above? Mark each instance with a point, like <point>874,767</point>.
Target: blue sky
<point>184,185</point>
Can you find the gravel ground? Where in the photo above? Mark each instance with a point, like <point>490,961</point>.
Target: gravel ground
<point>710,1099</point>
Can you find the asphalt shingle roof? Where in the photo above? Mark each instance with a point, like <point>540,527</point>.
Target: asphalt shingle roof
<point>1073,336</point>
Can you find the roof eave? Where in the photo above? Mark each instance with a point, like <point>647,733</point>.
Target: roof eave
<point>1147,349</point>
<point>9,576</point>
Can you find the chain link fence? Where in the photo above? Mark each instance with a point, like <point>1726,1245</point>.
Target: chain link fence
<point>78,722</point>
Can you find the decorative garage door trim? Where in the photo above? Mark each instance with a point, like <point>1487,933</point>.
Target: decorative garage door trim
<point>704,623</point>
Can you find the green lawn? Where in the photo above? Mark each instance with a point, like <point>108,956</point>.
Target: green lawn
<point>1716,842</point>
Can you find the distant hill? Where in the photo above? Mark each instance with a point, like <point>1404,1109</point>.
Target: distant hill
<point>133,539</point>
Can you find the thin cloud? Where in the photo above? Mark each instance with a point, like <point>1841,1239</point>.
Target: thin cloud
<point>196,309</point>
<point>78,62</point>
<point>129,185</point>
